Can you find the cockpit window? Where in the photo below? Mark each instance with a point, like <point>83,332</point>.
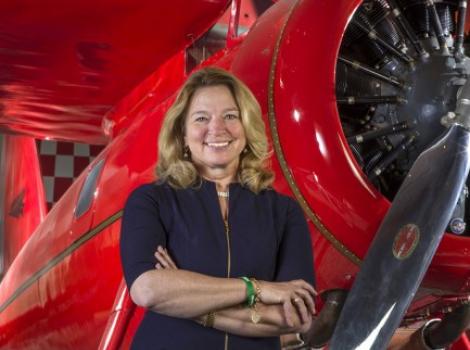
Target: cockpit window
<point>88,191</point>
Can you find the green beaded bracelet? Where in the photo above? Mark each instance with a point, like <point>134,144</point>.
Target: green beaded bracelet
<point>250,291</point>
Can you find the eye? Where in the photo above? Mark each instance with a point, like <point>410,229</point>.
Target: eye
<point>200,118</point>
<point>231,116</point>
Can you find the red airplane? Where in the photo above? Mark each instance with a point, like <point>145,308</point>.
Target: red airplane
<point>365,105</point>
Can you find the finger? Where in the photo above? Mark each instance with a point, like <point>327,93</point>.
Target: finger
<point>172,265</point>
<point>307,299</point>
<point>166,255</point>
<point>159,256</point>
<point>301,309</point>
<point>162,255</point>
<point>158,266</point>
<point>288,311</point>
<point>310,289</point>
<point>170,260</point>
<point>162,259</point>
<point>307,286</point>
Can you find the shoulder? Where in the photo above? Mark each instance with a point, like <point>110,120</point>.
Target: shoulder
<point>280,205</point>
<point>144,190</point>
<point>286,207</point>
<point>152,192</point>
<point>280,200</point>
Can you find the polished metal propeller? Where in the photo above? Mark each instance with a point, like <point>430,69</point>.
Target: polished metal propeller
<point>408,237</point>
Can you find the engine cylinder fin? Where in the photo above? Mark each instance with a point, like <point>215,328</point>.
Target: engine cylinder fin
<point>374,134</point>
<point>407,29</point>
<point>391,156</point>
<point>372,72</point>
<point>419,17</point>
<point>448,15</point>
<point>437,26</point>
<point>462,14</point>
<point>353,100</point>
<point>373,35</point>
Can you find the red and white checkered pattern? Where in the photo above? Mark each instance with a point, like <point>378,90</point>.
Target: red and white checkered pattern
<point>61,163</point>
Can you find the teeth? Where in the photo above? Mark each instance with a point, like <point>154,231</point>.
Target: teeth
<point>217,144</point>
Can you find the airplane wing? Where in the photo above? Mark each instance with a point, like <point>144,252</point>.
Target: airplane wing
<point>65,65</point>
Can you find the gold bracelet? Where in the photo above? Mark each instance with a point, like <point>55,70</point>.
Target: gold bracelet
<point>257,289</point>
<point>209,320</point>
<point>255,316</point>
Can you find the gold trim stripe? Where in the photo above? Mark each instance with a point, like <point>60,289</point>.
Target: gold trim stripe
<point>280,154</point>
<point>59,257</point>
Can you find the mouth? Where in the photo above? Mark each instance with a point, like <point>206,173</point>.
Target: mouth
<point>219,144</point>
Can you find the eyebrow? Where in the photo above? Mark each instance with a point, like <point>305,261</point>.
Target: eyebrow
<point>234,109</point>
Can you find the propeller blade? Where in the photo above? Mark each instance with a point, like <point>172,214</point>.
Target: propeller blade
<point>404,245</point>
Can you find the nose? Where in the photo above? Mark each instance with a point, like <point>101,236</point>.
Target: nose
<point>216,124</point>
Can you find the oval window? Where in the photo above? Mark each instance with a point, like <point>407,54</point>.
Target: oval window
<point>88,190</point>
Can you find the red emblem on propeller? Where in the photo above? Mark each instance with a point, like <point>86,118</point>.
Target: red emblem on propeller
<point>406,241</point>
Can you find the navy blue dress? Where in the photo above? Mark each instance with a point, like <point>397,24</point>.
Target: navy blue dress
<point>269,240</point>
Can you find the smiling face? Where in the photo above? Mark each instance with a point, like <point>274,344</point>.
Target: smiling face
<point>213,130</point>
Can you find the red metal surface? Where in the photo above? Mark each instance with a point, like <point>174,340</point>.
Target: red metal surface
<point>463,343</point>
<point>75,300</point>
<point>118,322</point>
<point>68,65</point>
<point>66,290</point>
<point>326,172</point>
<point>23,194</point>
<point>156,88</point>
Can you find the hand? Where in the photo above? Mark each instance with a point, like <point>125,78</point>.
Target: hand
<point>274,314</point>
<point>294,296</point>
<point>305,327</point>
<point>164,260</point>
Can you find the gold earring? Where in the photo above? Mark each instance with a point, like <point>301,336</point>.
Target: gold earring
<point>186,152</point>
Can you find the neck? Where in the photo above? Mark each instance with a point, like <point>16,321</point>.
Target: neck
<point>221,177</point>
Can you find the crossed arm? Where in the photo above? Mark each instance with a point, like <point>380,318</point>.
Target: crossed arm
<point>284,307</point>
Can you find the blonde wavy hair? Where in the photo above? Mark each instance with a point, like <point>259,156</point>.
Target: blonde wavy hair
<point>253,172</point>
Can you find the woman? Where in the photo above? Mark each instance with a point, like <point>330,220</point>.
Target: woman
<point>243,251</point>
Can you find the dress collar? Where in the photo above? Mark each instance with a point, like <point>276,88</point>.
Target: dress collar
<point>234,189</point>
